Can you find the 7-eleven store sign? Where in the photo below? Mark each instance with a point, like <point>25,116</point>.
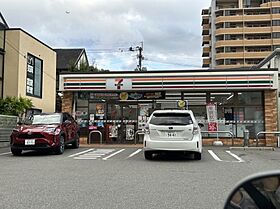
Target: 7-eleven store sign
<point>119,84</point>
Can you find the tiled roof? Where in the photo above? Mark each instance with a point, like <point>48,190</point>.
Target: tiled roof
<point>67,57</point>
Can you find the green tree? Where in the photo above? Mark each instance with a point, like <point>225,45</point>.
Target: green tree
<point>84,67</point>
<point>15,106</point>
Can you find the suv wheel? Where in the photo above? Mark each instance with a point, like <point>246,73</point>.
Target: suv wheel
<point>76,143</point>
<point>197,156</point>
<point>16,152</point>
<point>148,155</point>
<point>60,149</point>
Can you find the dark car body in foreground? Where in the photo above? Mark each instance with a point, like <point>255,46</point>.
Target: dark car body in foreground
<point>45,131</point>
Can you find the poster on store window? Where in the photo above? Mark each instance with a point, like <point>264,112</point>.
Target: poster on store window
<point>113,131</point>
<point>129,132</point>
<point>211,109</point>
<point>99,111</point>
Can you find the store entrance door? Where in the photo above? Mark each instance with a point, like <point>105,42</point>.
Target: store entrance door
<point>121,122</point>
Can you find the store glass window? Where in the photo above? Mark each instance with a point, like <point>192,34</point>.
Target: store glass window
<point>250,98</point>
<point>114,112</point>
<point>237,111</point>
<point>34,76</point>
<point>224,98</point>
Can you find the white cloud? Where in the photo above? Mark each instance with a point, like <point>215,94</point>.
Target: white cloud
<point>170,29</point>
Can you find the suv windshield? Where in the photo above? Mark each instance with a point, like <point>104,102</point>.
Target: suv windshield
<point>171,119</point>
<point>46,119</point>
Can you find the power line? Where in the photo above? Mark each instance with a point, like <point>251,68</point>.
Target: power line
<point>23,55</point>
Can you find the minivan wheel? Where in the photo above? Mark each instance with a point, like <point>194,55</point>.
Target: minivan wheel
<point>197,156</point>
<point>16,152</point>
<point>60,149</point>
<point>148,155</point>
<point>76,143</point>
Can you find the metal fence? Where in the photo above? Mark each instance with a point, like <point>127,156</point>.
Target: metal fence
<point>7,124</point>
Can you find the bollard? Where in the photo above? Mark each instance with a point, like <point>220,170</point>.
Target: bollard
<point>246,137</point>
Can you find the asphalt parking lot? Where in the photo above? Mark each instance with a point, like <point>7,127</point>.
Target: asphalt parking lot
<point>120,177</point>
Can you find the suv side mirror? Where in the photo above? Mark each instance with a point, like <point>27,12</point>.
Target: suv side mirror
<point>259,191</point>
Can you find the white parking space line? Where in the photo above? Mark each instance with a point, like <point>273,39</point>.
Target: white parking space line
<point>5,153</point>
<point>134,153</point>
<point>85,158</point>
<point>214,155</point>
<point>79,153</point>
<point>115,153</point>
<point>235,156</point>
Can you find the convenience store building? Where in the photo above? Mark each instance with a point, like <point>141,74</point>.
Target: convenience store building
<point>119,103</point>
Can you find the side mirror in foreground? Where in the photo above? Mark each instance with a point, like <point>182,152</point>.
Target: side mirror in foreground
<point>256,192</point>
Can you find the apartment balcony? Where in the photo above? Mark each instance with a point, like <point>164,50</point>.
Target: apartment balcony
<point>205,20</point>
<point>271,4</point>
<point>205,51</point>
<point>222,19</point>
<point>245,18</point>
<point>275,28</point>
<point>245,30</point>
<point>238,65</point>
<point>275,16</point>
<point>241,55</point>
<point>205,27</point>
<point>275,41</point>
<point>205,39</point>
<point>206,62</point>
<point>229,43</point>
<point>251,42</point>
<point>261,17</point>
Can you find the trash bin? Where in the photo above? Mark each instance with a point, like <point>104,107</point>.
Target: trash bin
<point>246,137</point>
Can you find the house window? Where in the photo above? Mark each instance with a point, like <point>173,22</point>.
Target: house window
<point>34,76</point>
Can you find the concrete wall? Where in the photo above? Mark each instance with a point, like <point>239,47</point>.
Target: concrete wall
<point>19,45</point>
<point>7,123</point>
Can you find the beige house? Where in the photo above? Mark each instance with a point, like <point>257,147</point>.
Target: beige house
<point>239,33</point>
<point>29,69</point>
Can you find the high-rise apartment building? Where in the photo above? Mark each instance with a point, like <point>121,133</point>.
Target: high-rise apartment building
<point>239,33</point>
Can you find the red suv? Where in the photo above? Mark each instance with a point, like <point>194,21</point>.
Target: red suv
<point>45,131</point>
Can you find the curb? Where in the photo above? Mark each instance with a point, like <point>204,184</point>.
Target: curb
<point>254,148</point>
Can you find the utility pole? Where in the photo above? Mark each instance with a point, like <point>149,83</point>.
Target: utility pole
<point>140,57</point>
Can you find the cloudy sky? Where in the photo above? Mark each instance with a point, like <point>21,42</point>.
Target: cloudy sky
<point>169,29</point>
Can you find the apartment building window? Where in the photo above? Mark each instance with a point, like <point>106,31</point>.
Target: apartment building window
<point>34,76</point>
<point>276,47</point>
<point>275,10</point>
<point>275,22</point>
<point>276,35</point>
<point>247,3</point>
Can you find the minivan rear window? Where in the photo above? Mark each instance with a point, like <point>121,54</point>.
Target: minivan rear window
<point>171,119</point>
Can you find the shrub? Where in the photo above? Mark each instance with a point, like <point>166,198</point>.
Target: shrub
<point>15,106</point>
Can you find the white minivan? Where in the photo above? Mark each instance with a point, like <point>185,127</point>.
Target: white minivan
<point>172,130</point>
